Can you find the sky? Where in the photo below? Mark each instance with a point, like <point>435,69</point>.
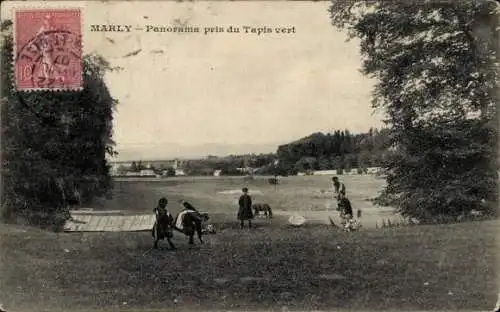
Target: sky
<point>191,94</point>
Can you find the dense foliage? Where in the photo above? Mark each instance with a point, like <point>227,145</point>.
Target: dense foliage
<point>319,151</point>
<point>436,67</point>
<point>54,144</point>
<point>338,150</point>
<point>232,165</point>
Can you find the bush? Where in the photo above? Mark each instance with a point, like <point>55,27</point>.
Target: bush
<point>170,172</point>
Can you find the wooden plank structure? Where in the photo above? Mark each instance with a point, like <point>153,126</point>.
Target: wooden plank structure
<point>108,221</point>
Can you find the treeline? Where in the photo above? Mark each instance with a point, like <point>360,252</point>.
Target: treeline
<point>228,165</point>
<point>319,151</point>
<point>337,150</point>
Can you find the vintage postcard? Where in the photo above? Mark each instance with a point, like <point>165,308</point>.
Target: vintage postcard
<point>249,155</point>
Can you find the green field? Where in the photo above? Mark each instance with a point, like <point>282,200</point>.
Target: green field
<point>218,195</point>
<point>449,267</point>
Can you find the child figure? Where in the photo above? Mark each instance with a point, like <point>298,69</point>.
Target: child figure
<point>164,223</point>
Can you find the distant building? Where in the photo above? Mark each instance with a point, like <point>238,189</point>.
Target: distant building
<point>179,172</point>
<point>325,172</point>
<point>173,163</point>
<point>113,170</point>
<point>247,170</point>
<point>373,170</point>
<point>147,173</point>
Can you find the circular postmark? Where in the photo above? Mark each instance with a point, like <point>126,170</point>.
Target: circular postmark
<point>51,60</point>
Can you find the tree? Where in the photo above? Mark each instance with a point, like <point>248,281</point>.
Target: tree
<point>306,163</point>
<point>133,167</point>
<point>170,172</point>
<point>122,170</point>
<point>436,68</point>
<point>140,166</point>
<point>54,144</point>
<point>332,151</point>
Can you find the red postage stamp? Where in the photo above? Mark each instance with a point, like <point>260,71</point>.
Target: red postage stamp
<point>48,50</point>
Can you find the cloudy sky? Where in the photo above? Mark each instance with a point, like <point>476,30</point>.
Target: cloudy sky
<point>191,94</point>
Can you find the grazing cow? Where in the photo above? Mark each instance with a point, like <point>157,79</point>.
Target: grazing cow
<point>257,208</point>
<point>189,221</point>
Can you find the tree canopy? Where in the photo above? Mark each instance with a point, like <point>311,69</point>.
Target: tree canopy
<point>337,150</point>
<point>54,144</point>
<point>436,68</point>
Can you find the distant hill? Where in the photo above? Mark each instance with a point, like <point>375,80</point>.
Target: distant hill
<point>337,150</point>
<point>317,151</point>
<point>174,150</point>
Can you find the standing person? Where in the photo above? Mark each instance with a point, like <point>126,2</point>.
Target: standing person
<point>164,223</point>
<point>245,208</point>
<point>338,188</point>
<point>345,207</point>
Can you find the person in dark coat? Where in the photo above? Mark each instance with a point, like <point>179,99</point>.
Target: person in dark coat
<point>245,208</point>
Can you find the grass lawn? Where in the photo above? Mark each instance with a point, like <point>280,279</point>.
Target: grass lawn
<point>219,195</point>
<point>450,267</point>
<point>417,268</point>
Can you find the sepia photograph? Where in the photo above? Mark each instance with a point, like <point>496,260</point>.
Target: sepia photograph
<point>334,155</point>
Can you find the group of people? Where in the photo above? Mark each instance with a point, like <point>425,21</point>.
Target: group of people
<point>188,221</point>
<point>344,206</point>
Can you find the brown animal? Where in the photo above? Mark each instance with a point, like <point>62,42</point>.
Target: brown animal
<point>257,208</point>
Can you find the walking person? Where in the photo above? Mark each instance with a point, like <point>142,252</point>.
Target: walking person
<point>338,188</point>
<point>245,208</point>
